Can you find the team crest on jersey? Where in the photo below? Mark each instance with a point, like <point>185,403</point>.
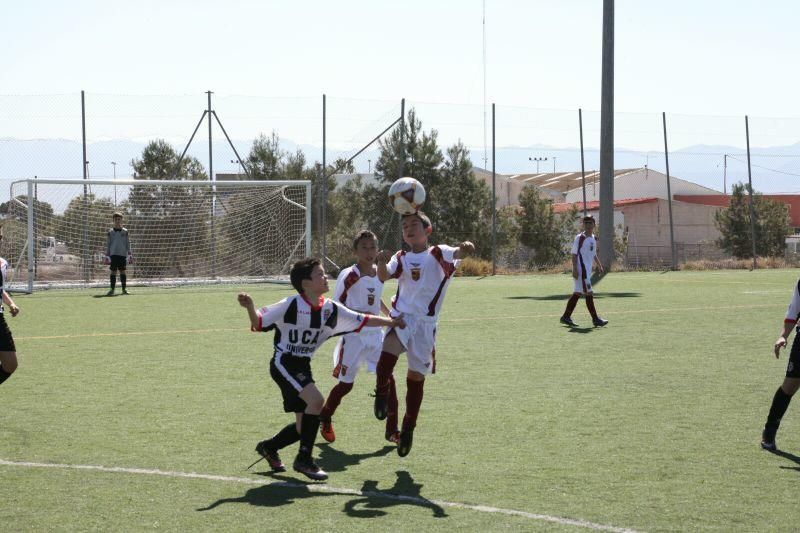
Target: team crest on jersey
<point>415,271</point>
<point>371,296</point>
<point>344,370</point>
<point>326,314</point>
<point>591,247</point>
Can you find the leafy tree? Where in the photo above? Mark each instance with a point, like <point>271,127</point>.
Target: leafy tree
<point>85,222</point>
<point>419,154</point>
<point>264,160</point>
<point>541,229</point>
<point>733,222</point>
<point>462,203</point>
<point>155,209</point>
<point>43,211</point>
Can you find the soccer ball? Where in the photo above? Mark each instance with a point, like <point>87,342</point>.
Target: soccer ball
<point>406,196</point>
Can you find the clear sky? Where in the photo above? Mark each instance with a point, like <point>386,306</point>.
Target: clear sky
<point>683,56</point>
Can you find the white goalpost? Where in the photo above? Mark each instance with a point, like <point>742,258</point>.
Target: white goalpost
<point>181,231</point>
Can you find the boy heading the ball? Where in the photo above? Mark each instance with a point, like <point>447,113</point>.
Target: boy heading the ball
<point>302,323</point>
<point>423,275</point>
<point>359,288</point>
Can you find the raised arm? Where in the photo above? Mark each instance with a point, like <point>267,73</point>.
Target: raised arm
<point>247,302</point>
<point>465,249</point>
<point>383,257</point>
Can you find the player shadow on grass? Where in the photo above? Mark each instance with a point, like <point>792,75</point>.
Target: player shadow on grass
<point>333,460</point>
<point>787,455</point>
<point>283,492</point>
<point>404,492</point>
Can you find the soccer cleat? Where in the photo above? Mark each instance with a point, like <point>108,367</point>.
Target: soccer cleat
<point>568,321</point>
<point>768,442</point>
<point>381,408</point>
<point>599,322</point>
<point>271,456</point>
<point>393,436</point>
<point>307,467</point>
<point>125,291</point>
<point>110,293</point>
<point>404,446</point>
<point>326,430</point>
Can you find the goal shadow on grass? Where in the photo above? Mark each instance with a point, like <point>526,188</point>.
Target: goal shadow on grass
<point>371,503</point>
<point>566,296</point>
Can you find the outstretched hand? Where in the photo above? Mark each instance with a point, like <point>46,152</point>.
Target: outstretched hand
<point>244,299</point>
<point>780,343</point>
<point>384,256</point>
<point>399,322</point>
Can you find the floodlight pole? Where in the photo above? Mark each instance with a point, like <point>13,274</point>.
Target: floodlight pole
<point>606,251</point>
<point>323,197</point>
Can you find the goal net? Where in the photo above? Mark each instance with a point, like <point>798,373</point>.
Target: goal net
<point>181,231</point>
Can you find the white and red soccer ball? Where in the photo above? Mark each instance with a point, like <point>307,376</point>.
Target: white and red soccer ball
<point>406,196</point>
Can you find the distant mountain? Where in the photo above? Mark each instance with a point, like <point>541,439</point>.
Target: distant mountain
<point>775,169</point>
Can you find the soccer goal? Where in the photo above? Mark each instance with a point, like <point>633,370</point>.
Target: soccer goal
<point>181,231</point>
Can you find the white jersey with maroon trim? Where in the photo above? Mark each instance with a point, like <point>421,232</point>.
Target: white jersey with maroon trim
<point>585,247</point>
<point>793,313</point>
<point>422,279</point>
<point>301,328</point>
<point>357,292</point>
<point>3,279</point>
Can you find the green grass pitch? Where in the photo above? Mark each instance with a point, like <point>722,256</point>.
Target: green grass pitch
<point>651,423</point>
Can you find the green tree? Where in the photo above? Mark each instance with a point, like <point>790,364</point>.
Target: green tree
<point>155,211</point>
<point>772,225</point>
<point>265,158</point>
<point>462,203</point>
<point>542,229</point>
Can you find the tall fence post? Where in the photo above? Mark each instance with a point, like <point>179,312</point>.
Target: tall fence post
<point>323,196</point>
<point>85,251</point>
<point>669,195</point>
<point>750,196</point>
<point>583,166</point>
<point>606,250</point>
<point>494,199</point>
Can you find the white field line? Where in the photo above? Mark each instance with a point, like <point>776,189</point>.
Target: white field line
<point>322,488</point>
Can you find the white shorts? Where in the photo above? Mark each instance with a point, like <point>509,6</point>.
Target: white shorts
<point>583,286</point>
<point>356,350</point>
<point>419,340</point>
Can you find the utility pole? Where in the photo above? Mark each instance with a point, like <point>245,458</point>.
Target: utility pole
<point>606,249</point>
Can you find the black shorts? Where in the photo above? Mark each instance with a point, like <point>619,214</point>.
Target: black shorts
<point>291,374</point>
<point>6,340</point>
<point>793,367</point>
<point>118,262</point>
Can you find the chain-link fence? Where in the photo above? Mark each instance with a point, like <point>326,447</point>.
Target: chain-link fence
<point>658,221</point>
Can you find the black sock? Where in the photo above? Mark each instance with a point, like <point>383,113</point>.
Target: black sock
<point>113,281</point>
<point>309,427</point>
<point>123,278</point>
<point>285,437</point>
<point>780,402</point>
<point>4,375</point>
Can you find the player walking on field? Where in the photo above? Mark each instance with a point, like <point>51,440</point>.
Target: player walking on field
<point>118,253</point>
<point>423,275</point>
<point>359,288</point>
<point>780,402</point>
<point>8,351</point>
<point>302,323</point>
<point>584,256</point>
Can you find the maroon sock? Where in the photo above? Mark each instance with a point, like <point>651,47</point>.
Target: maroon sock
<point>334,399</point>
<point>590,305</point>
<point>383,372</point>
<point>413,403</point>
<point>573,301</point>
<point>391,403</point>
